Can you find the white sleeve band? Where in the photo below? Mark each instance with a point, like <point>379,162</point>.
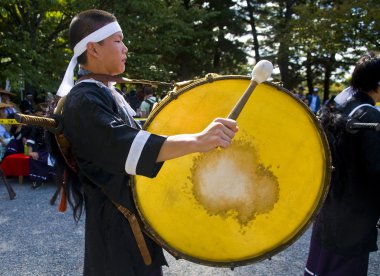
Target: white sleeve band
<point>135,151</point>
<point>30,141</point>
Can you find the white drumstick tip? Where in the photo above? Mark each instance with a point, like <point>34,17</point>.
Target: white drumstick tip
<point>262,71</point>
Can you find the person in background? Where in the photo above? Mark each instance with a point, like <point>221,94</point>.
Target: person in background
<point>27,104</point>
<point>300,93</point>
<point>314,100</point>
<point>5,98</point>
<point>149,101</point>
<point>40,167</point>
<point>18,133</point>
<point>134,100</point>
<point>5,137</point>
<point>344,232</point>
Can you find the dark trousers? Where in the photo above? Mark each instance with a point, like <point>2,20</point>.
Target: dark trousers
<point>322,262</point>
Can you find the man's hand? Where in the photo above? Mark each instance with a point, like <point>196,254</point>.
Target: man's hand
<point>219,133</point>
<point>34,155</point>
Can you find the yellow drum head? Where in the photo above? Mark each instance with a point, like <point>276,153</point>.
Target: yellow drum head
<point>234,206</point>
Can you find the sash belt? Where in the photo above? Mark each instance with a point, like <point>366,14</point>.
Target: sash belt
<point>136,229</point>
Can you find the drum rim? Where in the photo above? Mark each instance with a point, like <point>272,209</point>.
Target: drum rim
<point>232,264</point>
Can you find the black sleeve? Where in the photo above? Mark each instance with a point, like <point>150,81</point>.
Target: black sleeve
<point>98,135</point>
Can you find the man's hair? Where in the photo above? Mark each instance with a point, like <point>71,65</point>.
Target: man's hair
<point>86,23</point>
<point>366,76</point>
<point>147,90</point>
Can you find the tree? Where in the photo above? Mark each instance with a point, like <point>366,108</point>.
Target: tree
<point>327,29</point>
<point>251,12</point>
<point>32,43</point>
<point>305,37</point>
<point>180,40</point>
<point>225,51</point>
<point>271,29</point>
<point>175,40</point>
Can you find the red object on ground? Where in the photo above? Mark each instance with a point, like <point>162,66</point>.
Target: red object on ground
<point>16,165</point>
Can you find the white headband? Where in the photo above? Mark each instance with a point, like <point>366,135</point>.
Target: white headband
<point>344,96</point>
<point>80,48</point>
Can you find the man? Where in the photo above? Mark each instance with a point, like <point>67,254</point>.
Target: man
<point>108,147</point>
<point>345,232</point>
<point>314,100</point>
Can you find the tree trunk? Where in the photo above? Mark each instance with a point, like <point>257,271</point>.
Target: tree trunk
<point>283,51</point>
<point>309,73</point>
<point>184,70</point>
<point>252,23</point>
<point>283,64</point>
<point>327,81</point>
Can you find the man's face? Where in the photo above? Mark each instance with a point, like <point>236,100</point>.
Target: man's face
<point>113,54</point>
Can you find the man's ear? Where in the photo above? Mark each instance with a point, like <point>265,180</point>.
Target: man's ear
<point>91,49</point>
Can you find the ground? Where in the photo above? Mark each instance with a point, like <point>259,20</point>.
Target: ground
<point>36,239</point>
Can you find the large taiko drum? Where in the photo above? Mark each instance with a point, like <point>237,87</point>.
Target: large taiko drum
<point>235,206</point>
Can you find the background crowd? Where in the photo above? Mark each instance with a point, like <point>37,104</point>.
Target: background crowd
<point>27,140</point>
<point>30,140</point>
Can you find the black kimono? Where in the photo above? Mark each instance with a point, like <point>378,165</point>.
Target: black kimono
<point>347,221</point>
<point>107,151</point>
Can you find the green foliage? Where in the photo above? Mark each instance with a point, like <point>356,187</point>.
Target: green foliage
<point>304,38</point>
<point>174,40</point>
<point>329,29</point>
<point>33,43</point>
<point>177,40</point>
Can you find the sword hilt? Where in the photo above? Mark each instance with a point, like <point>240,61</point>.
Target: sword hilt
<point>50,124</point>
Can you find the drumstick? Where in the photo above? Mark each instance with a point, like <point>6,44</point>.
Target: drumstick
<point>260,73</point>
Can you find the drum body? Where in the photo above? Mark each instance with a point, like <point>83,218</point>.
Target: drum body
<point>235,206</point>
